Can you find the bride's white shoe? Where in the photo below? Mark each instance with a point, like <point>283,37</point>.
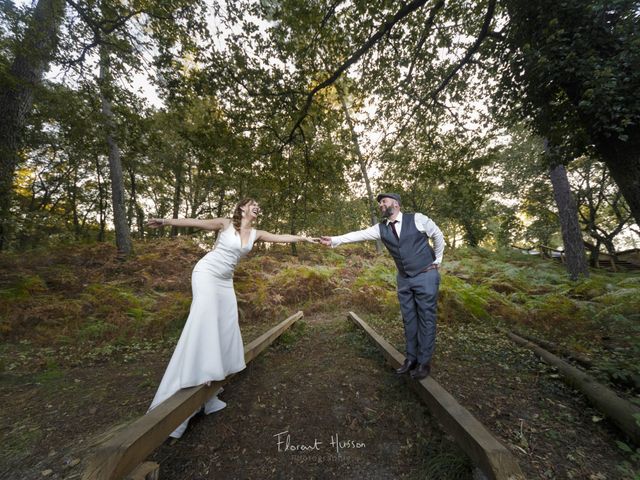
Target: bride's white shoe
<point>214,405</point>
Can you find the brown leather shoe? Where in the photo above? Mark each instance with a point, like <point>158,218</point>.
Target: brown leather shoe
<point>406,366</point>
<point>421,371</point>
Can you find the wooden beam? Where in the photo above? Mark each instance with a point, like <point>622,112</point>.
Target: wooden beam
<point>121,452</point>
<point>486,452</point>
<point>145,471</point>
<point>555,348</point>
<point>620,411</point>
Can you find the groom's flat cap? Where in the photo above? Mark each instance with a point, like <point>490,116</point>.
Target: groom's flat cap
<point>395,196</point>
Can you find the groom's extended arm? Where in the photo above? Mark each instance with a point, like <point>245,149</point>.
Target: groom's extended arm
<point>371,233</point>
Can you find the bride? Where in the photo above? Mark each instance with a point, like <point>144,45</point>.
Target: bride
<point>210,347</point>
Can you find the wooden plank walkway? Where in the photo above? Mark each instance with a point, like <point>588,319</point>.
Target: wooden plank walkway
<point>486,452</point>
<point>120,453</point>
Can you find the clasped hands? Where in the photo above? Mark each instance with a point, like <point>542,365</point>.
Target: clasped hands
<point>326,241</point>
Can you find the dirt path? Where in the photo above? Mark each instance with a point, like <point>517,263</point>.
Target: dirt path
<point>322,383</point>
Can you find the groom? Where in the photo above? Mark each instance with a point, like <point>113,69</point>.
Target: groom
<point>406,236</point>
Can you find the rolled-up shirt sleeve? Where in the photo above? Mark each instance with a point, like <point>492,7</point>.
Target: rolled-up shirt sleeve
<point>428,226</point>
<point>371,233</point>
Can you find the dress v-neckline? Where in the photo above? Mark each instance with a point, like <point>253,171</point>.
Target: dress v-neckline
<point>248,240</point>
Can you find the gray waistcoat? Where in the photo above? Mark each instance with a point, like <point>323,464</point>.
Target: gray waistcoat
<point>413,253</point>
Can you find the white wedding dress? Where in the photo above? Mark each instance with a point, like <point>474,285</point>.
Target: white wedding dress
<point>210,346</point>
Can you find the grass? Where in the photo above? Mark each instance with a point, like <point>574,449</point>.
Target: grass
<point>21,441</point>
<point>290,337</point>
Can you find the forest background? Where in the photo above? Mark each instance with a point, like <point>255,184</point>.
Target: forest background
<point>485,116</point>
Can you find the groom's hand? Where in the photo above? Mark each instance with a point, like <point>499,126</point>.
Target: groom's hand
<point>325,241</point>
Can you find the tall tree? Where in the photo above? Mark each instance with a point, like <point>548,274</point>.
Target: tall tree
<point>121,33</point>
<point>105,86</point>
<point>578,60</point>
<point>576,260</point>
<point>32,55</point>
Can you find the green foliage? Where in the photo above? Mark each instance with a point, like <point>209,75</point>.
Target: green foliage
<point>51,374</point>
<point>628,296</point>
<point>373,288</point>
<point>96,329</point>
<point>592,287</point>
<point>293,285</point>
<point>23,440</point>
<point>290,338</point>
<point>332,257</point>
<point>583,49</point>
<point>77,296</point>
<point>22,287</point>
<point>568,69</point>
<point>379,274</point>
<point>629,468</point>
<point>461,301</point>
<point>557,308</point>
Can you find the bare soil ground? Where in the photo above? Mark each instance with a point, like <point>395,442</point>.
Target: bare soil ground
<point>320,403</point>
<point>320,383</point>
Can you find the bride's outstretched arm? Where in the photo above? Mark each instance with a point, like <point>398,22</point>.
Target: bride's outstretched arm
<point>211,224</point>
<point>262,236</point>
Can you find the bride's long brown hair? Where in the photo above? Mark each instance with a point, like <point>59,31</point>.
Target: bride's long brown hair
<point>237,213</point>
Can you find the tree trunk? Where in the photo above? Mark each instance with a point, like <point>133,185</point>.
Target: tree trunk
<point>123,240</point>
<point>74,206</point>
<point>293,212</point>
<point>571,235</point>
<point>594,254</point>
<point>576,261</point>
<point>611,250</point>
<point>292,227</point>
<point>469,234</point>
<point>101,201</point>
<point>30,62</point>
<point>177,196</point>
<point>219,209</point>
<point>361,163</point>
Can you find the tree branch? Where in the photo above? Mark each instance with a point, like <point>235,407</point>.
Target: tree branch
<point>386,27</point>
<point>433,95</point>
<point>329,13</point>
<point>99,28</point>
<point>463,61</point>
<point>425,34</point>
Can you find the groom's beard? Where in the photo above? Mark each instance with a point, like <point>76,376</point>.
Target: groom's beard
<point>387,212</point>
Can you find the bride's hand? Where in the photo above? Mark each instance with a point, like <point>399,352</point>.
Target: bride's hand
<point>312,239</point>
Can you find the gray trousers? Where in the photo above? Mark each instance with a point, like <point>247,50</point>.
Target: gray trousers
<point>418,298</point>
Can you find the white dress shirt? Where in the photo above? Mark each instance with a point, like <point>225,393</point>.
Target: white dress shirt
<point>423,224</point>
